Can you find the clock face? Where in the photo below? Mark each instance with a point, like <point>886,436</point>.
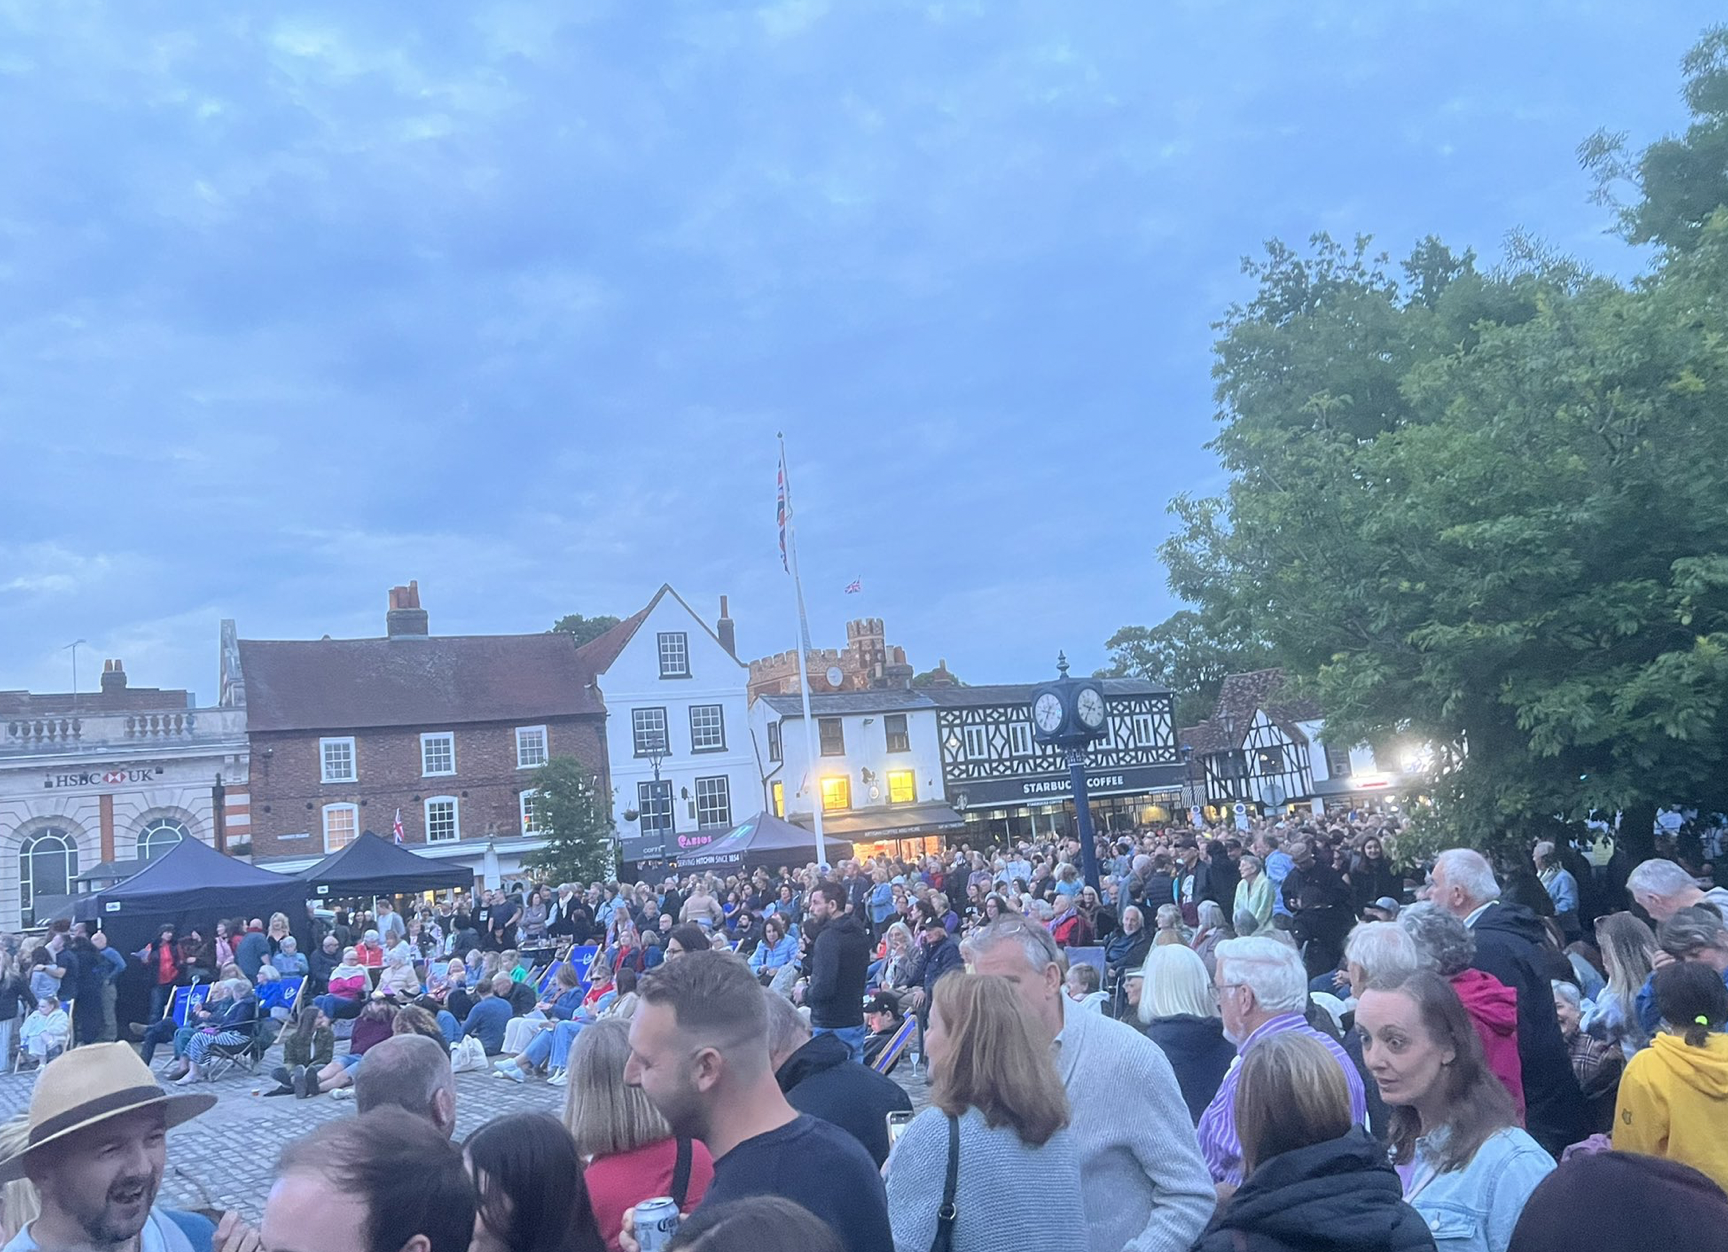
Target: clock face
<point>1089,707</point>
<point>1047,712</point>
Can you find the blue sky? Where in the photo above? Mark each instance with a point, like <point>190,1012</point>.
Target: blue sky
<point>300,302</point>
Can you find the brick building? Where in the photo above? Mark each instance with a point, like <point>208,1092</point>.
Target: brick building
<point>866,662</point>
<point>448,730</point>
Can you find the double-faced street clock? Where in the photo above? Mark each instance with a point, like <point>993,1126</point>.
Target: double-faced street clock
<point>1070,714</point>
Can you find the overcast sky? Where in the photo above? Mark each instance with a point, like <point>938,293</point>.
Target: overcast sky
<point>300,302</point>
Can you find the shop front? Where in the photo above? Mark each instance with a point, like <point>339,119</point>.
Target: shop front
<point>999,812</point>
<point>903,831</point>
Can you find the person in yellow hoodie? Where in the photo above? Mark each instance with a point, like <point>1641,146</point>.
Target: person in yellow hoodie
<point>1673,1100</point>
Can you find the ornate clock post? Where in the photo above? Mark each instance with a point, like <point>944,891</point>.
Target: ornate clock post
<point>1069,714</point>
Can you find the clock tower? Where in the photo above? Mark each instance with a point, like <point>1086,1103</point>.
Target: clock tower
<point>1070,714</point>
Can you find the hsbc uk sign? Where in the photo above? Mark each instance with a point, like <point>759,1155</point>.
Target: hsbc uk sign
<point>117,776</point>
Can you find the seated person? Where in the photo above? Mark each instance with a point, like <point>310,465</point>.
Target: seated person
<point>777,949</point>
<point>371,951</point>
<point>373,1026</point>
<point>288,960</point>
<point>198,1018</point>
<point>235,1024</point>
<point>550,1047</point>
<point>490,1014</point>
<point>560,1003</point>
<point>272,993</point>
<point>1081,987</point>
<point>349,986</point>
<point>882,1019</point>
<point>43,1035</point>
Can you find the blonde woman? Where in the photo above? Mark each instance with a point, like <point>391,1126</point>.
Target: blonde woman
<point>19,1204</point>
<point>627,1148</point>
<point>278,931</point>
<point>995,1097</point>
<point>1180,1014</point>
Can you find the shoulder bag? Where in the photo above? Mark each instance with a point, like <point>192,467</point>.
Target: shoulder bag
<point>946,1214</point>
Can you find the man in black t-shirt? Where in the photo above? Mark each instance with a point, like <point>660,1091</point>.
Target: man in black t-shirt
<point>699,1050</point>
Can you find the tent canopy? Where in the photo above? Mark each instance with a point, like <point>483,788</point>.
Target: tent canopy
<point>192,885</point>
<point>374,866</point>
<point>764,840</point>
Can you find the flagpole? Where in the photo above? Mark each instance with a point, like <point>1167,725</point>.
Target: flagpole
<point>803,648</point>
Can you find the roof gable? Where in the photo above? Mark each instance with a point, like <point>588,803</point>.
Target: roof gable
<point>602,651</point>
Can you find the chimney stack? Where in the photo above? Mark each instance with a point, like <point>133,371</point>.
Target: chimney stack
<point>113,677</point>
<point>728,634</point>
<point>406,617</point>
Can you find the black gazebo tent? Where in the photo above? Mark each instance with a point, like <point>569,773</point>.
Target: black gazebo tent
<point>763,840</point>
<point>189,887</point>
<point>373,866</point>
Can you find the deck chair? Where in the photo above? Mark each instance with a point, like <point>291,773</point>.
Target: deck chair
<point>246,1054</point>
<point>896,1046</point>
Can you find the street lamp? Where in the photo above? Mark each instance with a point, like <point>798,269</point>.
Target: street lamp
<point>656,756</point>
<point>1069,714</point>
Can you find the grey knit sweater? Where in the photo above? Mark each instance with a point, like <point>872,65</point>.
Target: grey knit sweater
<point>1008,1191</point>
<point>1144,1188</point>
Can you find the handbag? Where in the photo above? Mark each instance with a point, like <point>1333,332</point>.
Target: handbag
<point>467,1054</point>
<point>945,1215</point>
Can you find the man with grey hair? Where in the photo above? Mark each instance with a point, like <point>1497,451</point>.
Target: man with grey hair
<point>818,1077</point>
<point>1509,941</point>
<point>1262,990</point>
<point>1662,889</point>
<point>1144,1185</point>
<point>410,1072</point>
<point>1697,933</point>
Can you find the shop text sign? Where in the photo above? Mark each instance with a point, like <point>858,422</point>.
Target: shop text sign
<point>1044,788</point>
<point>111,776</point>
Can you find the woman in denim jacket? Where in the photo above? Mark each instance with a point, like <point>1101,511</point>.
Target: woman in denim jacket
<point>1467,1166</point>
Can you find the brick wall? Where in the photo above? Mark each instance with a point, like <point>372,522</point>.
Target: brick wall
<point>287,796</point>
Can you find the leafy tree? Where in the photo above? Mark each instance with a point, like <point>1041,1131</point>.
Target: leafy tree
<point>1488,510</point>
<point>576,822</point>
<point>1187,654</point>
<point>583,629</point>
<point>935,677</point>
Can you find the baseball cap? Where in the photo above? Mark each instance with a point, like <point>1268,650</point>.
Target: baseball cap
<point>882,1002</point>
<point>1389,904</point>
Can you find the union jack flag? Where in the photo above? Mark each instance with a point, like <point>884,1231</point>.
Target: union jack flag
<point>855,586</point>
<point>780,514</point>
<point>397,828</point>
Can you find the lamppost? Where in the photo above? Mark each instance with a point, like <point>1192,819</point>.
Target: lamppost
<point>1069,714</point>
<point>657,755</point>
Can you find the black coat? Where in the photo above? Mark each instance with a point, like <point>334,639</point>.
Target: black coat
<point>1199,1053</point>
<point>1509,939</point>
<point>839,966</point>
<point>821,1080</point>
<point>1338,1196</point>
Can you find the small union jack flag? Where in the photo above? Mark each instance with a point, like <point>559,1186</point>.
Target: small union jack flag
<point>397,828</point>
<point>855,586</point>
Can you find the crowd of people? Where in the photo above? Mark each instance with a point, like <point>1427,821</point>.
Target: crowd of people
<point>1278,1038</point>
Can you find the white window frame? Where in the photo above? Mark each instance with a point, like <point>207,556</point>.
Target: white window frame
<point>648,802</point>
<point>1019,739</point>
<point>725,792</point>
<point>324,745</point>
<point>680,644</point>
<point>977,743</point>
<point>455,817</point>
<point>354,811</point>
<point>1144,733</point>
<point>911,777</point>
<point>545,746</point>
<point>429,738</point>
<point>525,805</point>
<point>717,745</point>
<point>636,730</point>
<point>776,736</point>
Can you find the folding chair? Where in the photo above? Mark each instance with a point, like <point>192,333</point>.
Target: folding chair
<point>891,1052</point>
<point>546,978</point>
<point>246,1054</point>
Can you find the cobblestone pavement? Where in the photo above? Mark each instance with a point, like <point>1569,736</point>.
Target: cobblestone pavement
<point>227,1157</point>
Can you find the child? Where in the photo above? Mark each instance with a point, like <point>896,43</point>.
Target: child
<point>44,1033</point>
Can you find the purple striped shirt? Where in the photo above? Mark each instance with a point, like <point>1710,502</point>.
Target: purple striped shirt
<point>1219,1142</point>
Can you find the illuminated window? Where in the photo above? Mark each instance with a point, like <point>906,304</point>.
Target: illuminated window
<point>779,799</point>
<point>836,793</point>
<point>902,786</point>
<point>341,824</point>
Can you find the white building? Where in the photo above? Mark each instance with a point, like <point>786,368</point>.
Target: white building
<point>677,730</point>
<point>108,778</point>
<point>877,771</point>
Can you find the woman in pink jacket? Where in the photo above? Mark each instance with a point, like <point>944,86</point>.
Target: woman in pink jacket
<point>349,985</point>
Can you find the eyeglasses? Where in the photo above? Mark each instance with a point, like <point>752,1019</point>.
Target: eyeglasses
<point>1218,990</point>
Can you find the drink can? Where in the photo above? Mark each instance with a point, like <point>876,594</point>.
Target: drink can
<point>656,1223</point>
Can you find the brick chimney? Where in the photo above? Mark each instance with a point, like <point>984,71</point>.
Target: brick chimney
<point>406,617</point>
<point>727,632</point>
<point>113,677</point>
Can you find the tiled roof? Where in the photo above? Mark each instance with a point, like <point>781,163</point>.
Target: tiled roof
<point>837,703</point>
<point>599,652</point>
<point>338,684</point>
<point>1238,699</point>
<point>1019,693</point>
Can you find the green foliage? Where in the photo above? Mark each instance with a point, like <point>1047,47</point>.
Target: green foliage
<point>576,821</point>
<point>1491,510</point>
<point>1188,654</point>
<point>933,677</point>
<point>583,629</point>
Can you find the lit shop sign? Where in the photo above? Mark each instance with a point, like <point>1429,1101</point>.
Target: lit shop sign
<point>1063,786</point>
<point>1048,788</point>
<point>101,778</point>
<point>694,841</point>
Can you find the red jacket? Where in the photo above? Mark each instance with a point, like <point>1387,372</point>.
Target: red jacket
<point>1493,1009</point>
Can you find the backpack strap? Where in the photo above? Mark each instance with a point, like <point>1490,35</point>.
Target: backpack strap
<point>681,1173</point>
<point>945,1215</point>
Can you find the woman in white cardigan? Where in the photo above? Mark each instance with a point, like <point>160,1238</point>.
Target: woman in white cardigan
<point>1019,1169</point>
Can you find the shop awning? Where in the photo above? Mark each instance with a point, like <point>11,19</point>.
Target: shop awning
<point>902,821</point>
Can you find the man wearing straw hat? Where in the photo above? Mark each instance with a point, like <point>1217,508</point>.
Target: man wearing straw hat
<point>95,1152</point>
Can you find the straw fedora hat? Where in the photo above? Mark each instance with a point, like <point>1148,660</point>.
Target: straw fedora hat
<point>89,1085</point>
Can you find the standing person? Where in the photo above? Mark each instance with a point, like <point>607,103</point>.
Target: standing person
<point>699,1048</point>
<point>389,925</point>
<point>113,965</point>
<point>1319,903</point>
<point>631,1152</point>
<point>96,1151</point>
<point>1662,889</point>
<point>819,1078</point>
<point>1262,991</point>
<point>386,1181</point>
<point>1314,1180</point>
<point>1180,1014</point>
<point>1143,1185</point>
<point>162,959</point>
<point>1469,1168</point>
<point>998,1122</point>
<point>1629,955</point>
<point>15,999</point>
<point>839,968</point>
<point>252,950</point>
<point>528,1177</point>
<point>1673,1100</point>
<point>1508,946</point>
<point>1255,894</point>
<point>1372,877</point>
<point>1561,886</point>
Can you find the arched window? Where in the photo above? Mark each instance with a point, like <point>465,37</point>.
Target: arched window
<point>47,864</point>
<point>158,836</point>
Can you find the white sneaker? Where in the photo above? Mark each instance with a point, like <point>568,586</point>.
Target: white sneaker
<point>559,1079</point>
